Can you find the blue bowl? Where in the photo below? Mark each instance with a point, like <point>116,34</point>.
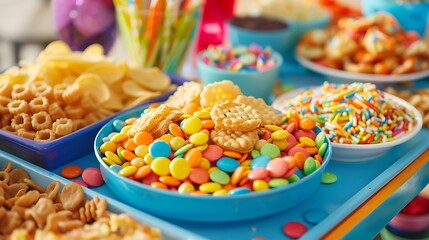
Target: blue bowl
<point>169,204</point>
<point>54,154</point>
<point>411,16</point>
<point>278,40</point>
<point>259,84</point>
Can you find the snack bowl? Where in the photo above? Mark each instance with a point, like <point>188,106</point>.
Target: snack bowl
<point>362,152</point>
<point>56,153</point>
<point>205,208</point>
<point>44,178</point>
<point>252,83</point>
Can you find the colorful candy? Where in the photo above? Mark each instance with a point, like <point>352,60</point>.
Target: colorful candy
<point>240,58</point>
<point>185,160</point>
<point>355,113</point>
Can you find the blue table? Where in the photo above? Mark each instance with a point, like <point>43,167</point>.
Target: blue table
<point>357,182</point>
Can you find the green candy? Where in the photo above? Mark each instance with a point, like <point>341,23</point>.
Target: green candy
<point>254,153</point>
<point>309,166</point>
<point>322,149</point>
<point>247,59</point>
<point>270,150</point>
<point>293,178</point>
<point>183,149</point>
<point>320,139</point>
<point>278,182</point>
<point>317,164</point>
<point>329,178</point>
<point>219,177</point>
<point>118,152</point>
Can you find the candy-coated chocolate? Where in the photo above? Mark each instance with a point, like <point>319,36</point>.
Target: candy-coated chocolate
<point>92,177</point>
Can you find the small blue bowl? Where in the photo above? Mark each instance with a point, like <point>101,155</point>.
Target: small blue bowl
<point>278,40</point>
<point>259,84</point>
<point>411,16</point>
<point>169,204</point>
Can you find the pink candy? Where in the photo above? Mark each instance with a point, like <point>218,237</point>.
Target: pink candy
<point>92,177</point>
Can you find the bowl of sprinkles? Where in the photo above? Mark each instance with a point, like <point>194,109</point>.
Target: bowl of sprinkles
<point>245,66</point>
<point>361,121</point>
<point>215,153</point>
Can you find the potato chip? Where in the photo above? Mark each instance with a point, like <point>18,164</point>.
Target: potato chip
<point>95,49</point>
<point>93,84</point>
<point>150,78</point>
<point>109,72</point>
<point>133,89</point>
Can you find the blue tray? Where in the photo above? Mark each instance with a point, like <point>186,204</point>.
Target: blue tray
<point>43,177</point>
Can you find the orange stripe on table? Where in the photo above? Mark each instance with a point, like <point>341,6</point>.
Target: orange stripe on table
<point>352,220</point>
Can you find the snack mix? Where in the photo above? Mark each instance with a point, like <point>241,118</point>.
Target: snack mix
<point>375,45</point>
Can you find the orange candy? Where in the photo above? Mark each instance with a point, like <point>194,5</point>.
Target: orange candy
<point>193,157</point>
<point>128,155</point>
<point>307,124</point>
<point>311,150</point>
<point>237,175</point>
<point>142,172</point>
<point>170,181</point>
<point>143,138</point>
<point>129,144</point>
<point>300,159</point>
<point>318,158</point>
<point>130,121</point>
<point>290,160</point>
<point>191,108</point>
<point>72,171</point>
<point>175,130</point>
<point>208,124</point>
<point>232,154</point>
<point>158,185</point>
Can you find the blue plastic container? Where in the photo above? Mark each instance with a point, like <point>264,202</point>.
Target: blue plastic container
<point>173,205</point>
<point>411,16</point>
<point>51,155</point>
<point>259,84</point>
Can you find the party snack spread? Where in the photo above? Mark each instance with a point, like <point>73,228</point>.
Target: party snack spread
<point>374,44</point>
<point>354,113</point>
<point>214,140</point>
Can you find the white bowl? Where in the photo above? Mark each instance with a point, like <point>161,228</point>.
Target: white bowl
<point>361,152</point>
<point>348,77</point>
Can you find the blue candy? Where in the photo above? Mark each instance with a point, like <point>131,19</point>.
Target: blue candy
<point>239,191</point>
<point>227,164</point>
<point>118,125</point>
<point>159,149</point>
<point>115,168</point>
<point>260,161</point>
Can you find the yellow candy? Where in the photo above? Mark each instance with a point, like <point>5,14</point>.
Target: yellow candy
<point>186,188</point>
<point>212,169</point>
<point>127,164</point>
<point>161,166</point>
<point>108,146</point>
<point>272,128</point>
<point>204,163</point>
<point>166,137</point>
<point>113,157</point>
<point>138,162</point>
<point>210,187</point>
<point>108,161</point>
<point>119,137</point>
<point>307,141</point>
<point>202,114</point>
<point>220,192</point>
<point>202,148</point>
<point>177,142</point>
<point>148,159</point>
<point>280,135</point>
<point>192,125</point>
<point>282,144</point>
<point>260,185</point>
<point>126,129</point>
<point>246,162</point>
<point>179,168</point>
<point>127,171</point>
<point>260,143</point>
<point>141,151</point>
<point>199,138</point>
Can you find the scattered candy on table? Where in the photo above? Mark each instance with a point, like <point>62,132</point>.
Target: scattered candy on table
<point>294,229</point>
<point>185,157</point>
<point>356,113</point>
<point>239,58</point>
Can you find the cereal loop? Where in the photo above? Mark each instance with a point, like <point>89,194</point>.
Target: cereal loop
<point>21,121</point>
<point>29,134</point>
<point>62,126</point>
<point>4,101</point>
<point>21,91</point>
<point>74,112</point>
<point>41,89</point>
<point>39,104</point>
<point>18,106</point>
<point>41,120</point>
<point>56,111</point>
<point>44,135</point>
<point>72,94</point>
